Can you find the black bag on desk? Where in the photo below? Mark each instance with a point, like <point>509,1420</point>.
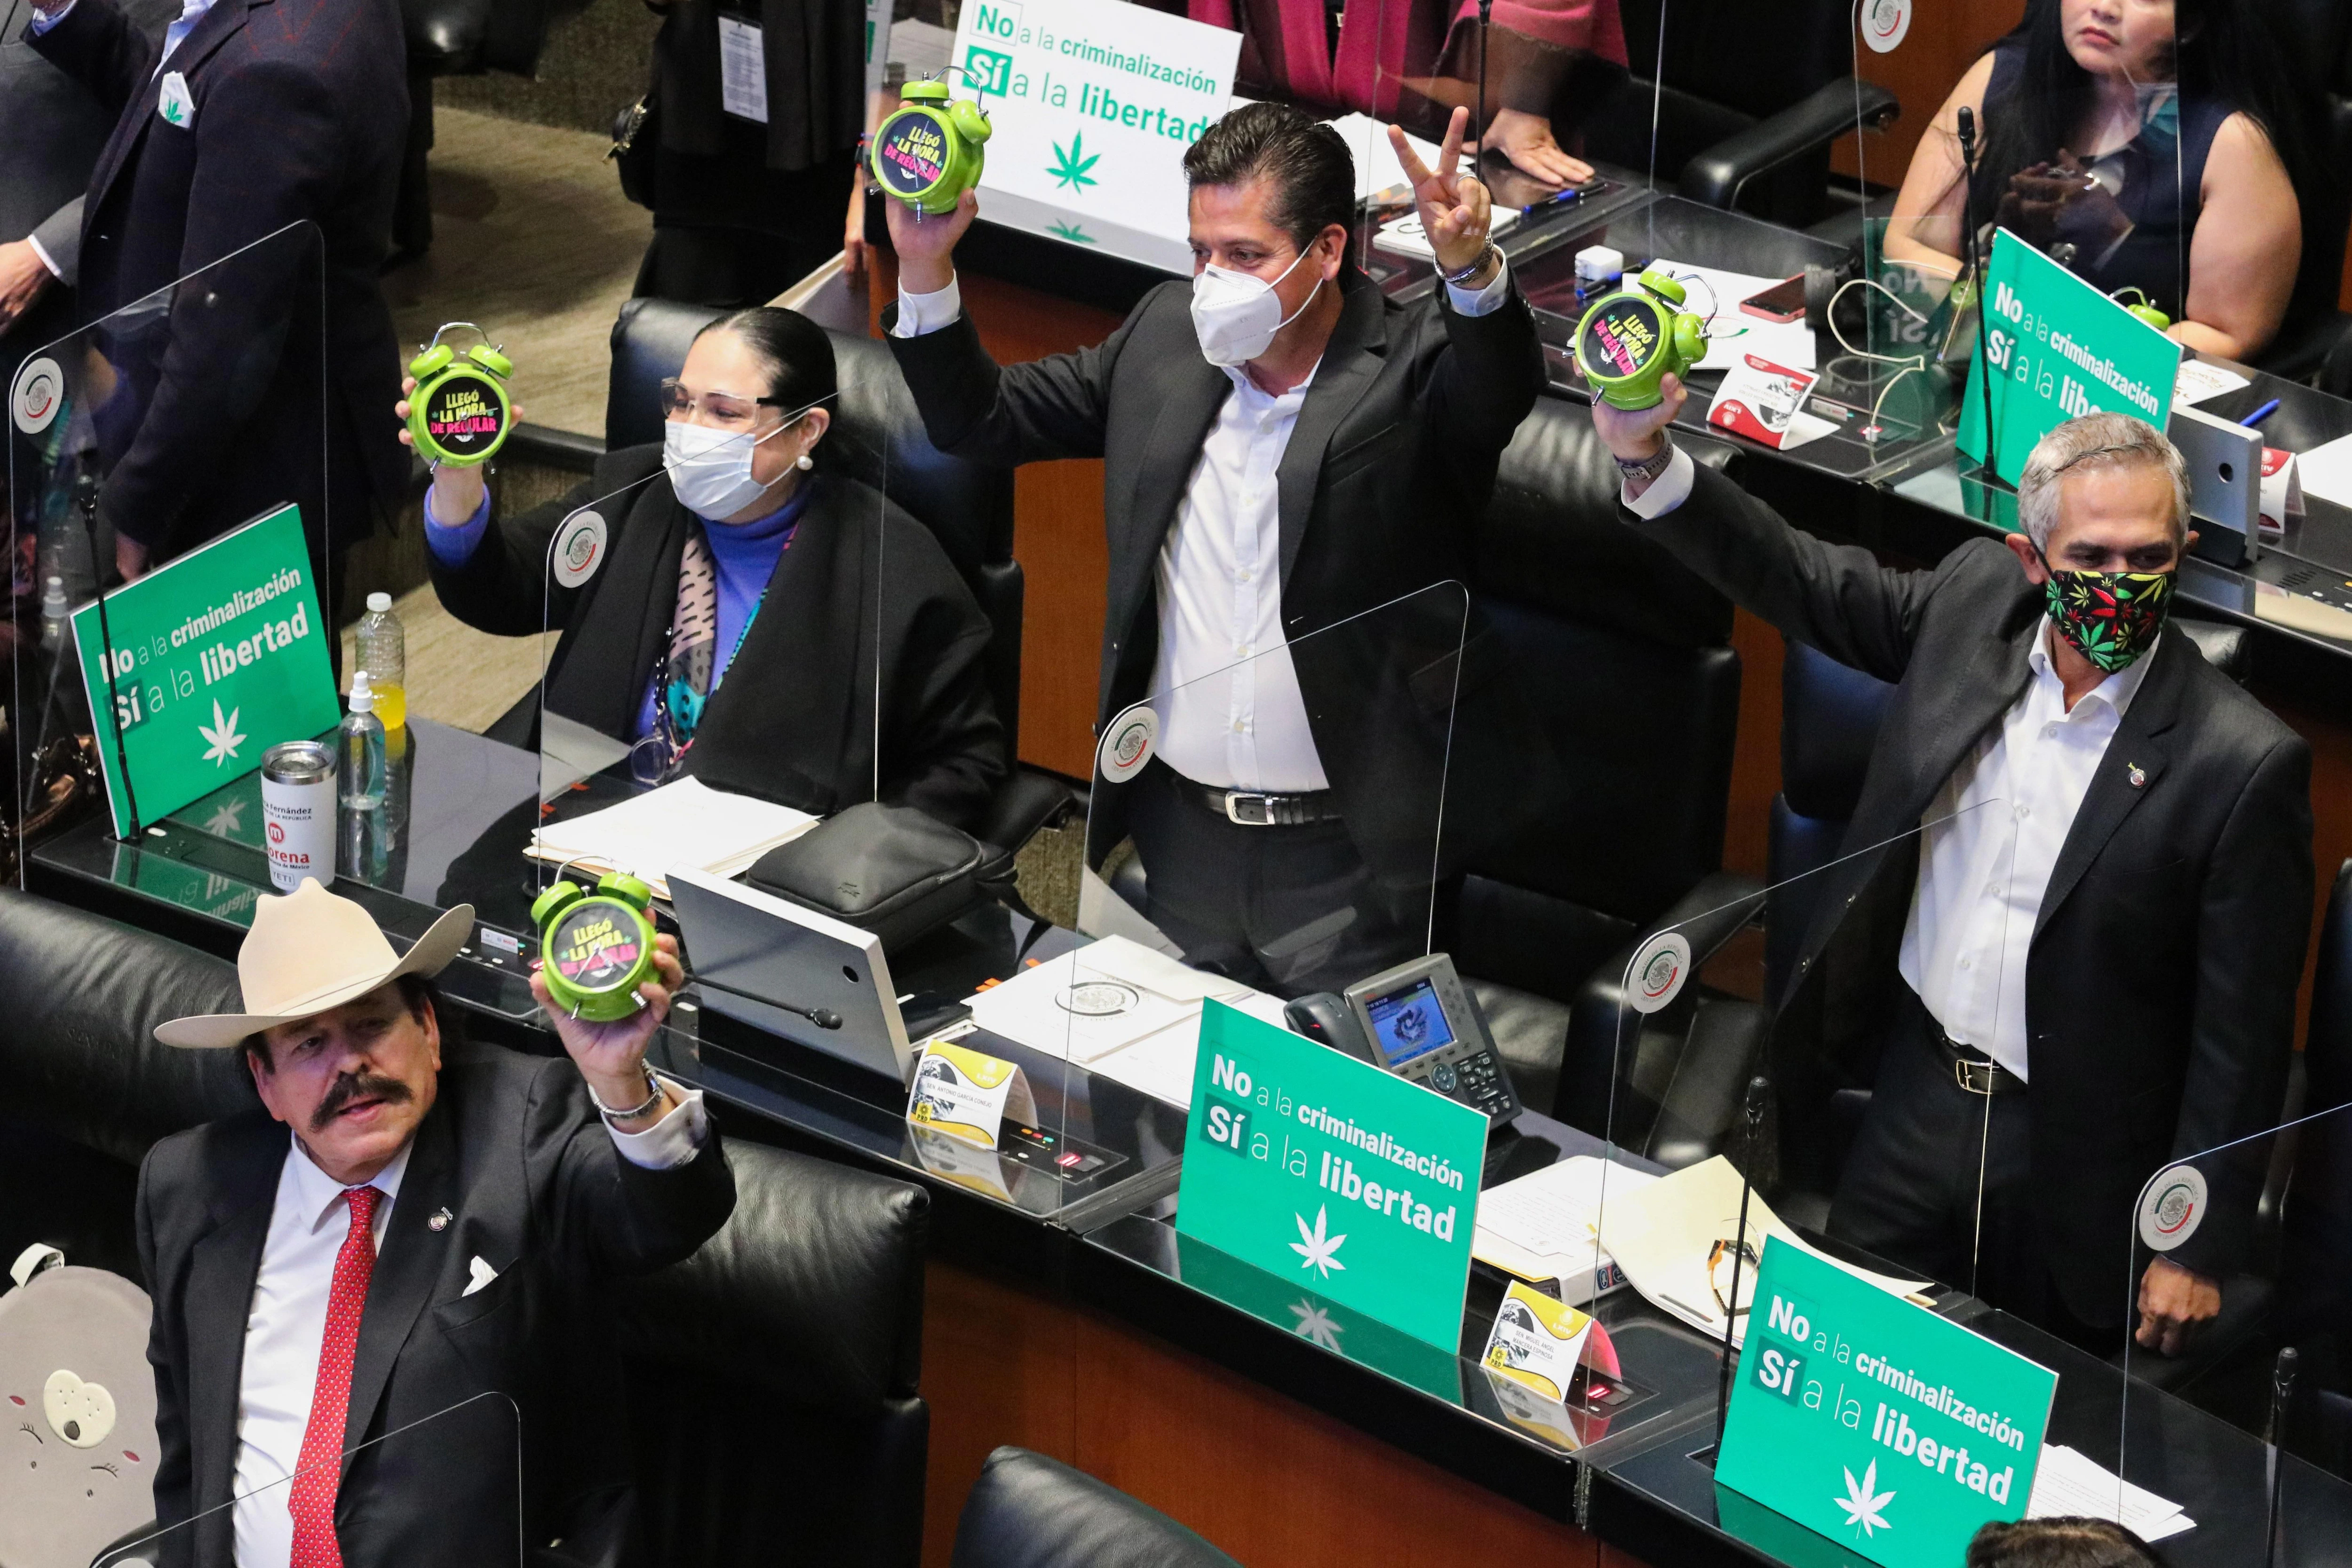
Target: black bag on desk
<point>890,870</point>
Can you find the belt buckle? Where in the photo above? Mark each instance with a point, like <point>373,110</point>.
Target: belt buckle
<point>1967,1072</point>
<point>1234,799</point>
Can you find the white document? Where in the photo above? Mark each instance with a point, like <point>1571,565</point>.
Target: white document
<point>2068,1482</point>
<point>1714,295</point>
<point>2199,379</point>
<point>685,823</point>
<point>1661,1234</point>
<point>1377,165</point>
<point>1405,236</point>
<point>1546,1224</point>
<point>923,47</point>
<point>2327,471</point>
<point>742,71</point>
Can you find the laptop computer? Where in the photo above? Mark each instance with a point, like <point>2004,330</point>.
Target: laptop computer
<point>815,980</point>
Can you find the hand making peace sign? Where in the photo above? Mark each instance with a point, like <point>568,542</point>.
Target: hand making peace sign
<point>1454,207</point>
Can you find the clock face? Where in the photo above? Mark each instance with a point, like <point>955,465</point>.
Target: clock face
<point>1620,335</point>
<point>464,414</point>
<point>596,945</point>
<point>910,154</point>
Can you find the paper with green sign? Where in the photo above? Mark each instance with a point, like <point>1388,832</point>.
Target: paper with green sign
<point>1091,107</point>
<point>1875,1423</point>
<point>2056,348</point>
<point>219,655</point>
<point>1313,1167</point>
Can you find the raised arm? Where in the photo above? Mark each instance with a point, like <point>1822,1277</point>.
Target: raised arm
<point>94,43</point>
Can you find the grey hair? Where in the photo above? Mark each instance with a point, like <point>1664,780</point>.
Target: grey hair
<point>2096,439</point>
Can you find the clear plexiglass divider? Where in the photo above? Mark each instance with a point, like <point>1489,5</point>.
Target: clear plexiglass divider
<point>446,1485</point>
<point>1845,1118</point>
<point>189,430</point>
<point>2225,1283</point>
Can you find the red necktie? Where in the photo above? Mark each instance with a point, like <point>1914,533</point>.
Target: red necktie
<point>313,1499</point>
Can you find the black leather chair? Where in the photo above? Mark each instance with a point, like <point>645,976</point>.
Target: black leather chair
<point>789,1346</point>
<point>2316,338</point>
<point>1029,1511</point>
<point>1590,774</point>
<point>1753,98</point>
<point>968,506</point>
<point>1830,715</point>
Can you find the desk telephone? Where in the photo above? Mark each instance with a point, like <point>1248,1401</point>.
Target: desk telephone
<point>1419,1021</point>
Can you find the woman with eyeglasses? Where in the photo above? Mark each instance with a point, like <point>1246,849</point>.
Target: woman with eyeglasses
<point>2156,149</point>
<point>751,607</point>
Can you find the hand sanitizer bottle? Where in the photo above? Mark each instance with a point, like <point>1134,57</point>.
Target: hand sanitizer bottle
<point>358,782</point>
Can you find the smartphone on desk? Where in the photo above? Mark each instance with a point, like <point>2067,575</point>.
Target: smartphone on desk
<point>1783,302</point>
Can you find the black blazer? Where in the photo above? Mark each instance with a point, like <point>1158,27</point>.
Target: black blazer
<point>793,719</point>
<point>1388,471</point>
<point>2159,992</point>
<point>300,114</point>
<point>512,1148</point>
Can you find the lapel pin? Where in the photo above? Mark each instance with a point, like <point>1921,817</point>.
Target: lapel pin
<point>2139,776</point>
<point>440,1221</point>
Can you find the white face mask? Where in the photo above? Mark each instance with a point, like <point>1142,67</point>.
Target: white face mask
<point>1236,314</point>
<point>710,470</point>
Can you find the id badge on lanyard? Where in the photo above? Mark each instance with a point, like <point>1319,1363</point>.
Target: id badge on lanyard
<point>742,68</point>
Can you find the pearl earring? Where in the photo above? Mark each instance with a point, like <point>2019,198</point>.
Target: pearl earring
<point>805,462</point>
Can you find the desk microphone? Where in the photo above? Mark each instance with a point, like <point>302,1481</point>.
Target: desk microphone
<point>824,1018</point>
<point>1752,1113</point>
<point>86,501</point>
<point>2282,1396</point>
<point>1486,20</point>
<point>1968,128</point>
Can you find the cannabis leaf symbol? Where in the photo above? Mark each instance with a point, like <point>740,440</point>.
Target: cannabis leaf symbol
<point>1318,1251</point>
<point>227,819</point>
<point>1072,233</point>
<point>1071,163</point>
<point>1865,1511</point>
<point>1315,1322</point>
<point>221,733</point>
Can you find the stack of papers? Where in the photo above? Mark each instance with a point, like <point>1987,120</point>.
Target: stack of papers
<point>1713,294</point>
<point>2068,1483</point>
<point>1661,1235</point>
<point>1547,1225</point>
<point>687,823</point>
<point>1119,1009</point>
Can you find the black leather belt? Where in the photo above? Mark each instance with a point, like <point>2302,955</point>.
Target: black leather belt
<point>1973,1070</point>
<point>1252,808</point>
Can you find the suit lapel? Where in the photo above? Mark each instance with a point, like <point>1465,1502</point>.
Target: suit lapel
<point>1196,389</point>
<point>406,1269</point>
<point>1353,358</point>
<point>2135,760</point>
<point>222,1270</point>
<point>216,27</point>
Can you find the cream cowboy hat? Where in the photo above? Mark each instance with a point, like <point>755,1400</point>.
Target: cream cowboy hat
<point>310,952</point>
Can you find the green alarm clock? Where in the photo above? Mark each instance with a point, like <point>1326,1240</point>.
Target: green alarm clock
<point>927,152</point>
<point>458,413</point>
<point>596,948</point>
<point>1632,340</point>
<point>2145,311</point>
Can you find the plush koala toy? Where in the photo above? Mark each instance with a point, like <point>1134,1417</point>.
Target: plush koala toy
<point>77,1450</point>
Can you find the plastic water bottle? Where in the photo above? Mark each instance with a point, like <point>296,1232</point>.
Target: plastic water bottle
<point>358,782</point>
<point>53,614</point>
<point>384,655</point>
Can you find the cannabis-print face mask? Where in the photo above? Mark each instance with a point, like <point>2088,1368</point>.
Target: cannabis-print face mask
<point>2110,617</point>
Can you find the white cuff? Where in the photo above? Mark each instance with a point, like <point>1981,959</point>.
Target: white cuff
<point>47,259</point>
<point>921,313</point>
<point>1481,301</point>
<point>671,1142</point>
<point>41,23</point>
<point>1668,491</point>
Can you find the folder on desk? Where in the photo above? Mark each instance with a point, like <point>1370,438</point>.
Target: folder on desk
<point>685,823</point>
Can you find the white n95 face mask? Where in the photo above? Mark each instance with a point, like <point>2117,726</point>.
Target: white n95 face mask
<point>710,470</point>
<point>1236,314</point>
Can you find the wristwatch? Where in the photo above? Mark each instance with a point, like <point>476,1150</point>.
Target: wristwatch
<point>653,1098</point>
<point>1477,265</point>
<point>1645,470</point>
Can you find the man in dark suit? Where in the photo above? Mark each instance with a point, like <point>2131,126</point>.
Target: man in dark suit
<point>2101,916</point>
<point>403,1278</point>
<point>1285,449</point>
<point>250,388</point>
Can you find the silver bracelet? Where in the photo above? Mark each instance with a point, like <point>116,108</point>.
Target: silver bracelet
<point>1647,469</point>
<point>653,1098</point>
<point>1493,252</point>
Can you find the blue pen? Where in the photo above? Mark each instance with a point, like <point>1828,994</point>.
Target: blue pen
<point>1570,195</point>
<point>2262,414</point>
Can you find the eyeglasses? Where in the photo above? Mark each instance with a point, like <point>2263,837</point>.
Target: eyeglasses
<point>719,409</point>
<point>1715,1257</point>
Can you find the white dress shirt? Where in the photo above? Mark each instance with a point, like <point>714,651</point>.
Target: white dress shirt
<point>286,1321</point>
<point>1992,835</point>
<point>1224,685</point>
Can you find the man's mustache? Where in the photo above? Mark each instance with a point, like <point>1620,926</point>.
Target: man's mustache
<point>353,1086</point>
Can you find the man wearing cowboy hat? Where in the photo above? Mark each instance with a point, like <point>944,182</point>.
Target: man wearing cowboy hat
<point>368,1333</point>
